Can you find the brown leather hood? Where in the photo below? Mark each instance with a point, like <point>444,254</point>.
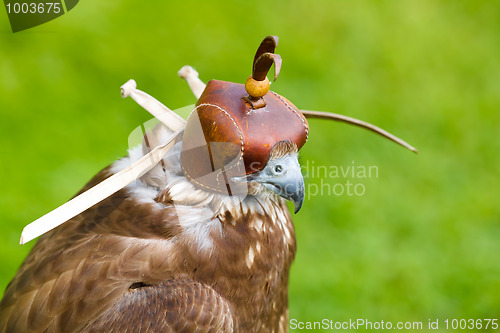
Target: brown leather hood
<point>226,137</point>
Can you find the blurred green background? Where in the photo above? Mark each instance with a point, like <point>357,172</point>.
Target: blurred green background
<point>424,239</point>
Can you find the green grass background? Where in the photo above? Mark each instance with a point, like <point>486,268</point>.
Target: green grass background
<point>422,242</point>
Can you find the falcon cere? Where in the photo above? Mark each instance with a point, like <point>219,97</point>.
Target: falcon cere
<point>343,176</point>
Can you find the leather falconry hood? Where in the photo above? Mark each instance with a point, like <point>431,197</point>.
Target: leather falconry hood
<point>234,127</point>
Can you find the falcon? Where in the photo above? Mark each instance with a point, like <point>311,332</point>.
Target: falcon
<point>200,239</point>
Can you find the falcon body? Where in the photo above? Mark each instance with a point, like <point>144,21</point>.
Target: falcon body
<point>160,255</point>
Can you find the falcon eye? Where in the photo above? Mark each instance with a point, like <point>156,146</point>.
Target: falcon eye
<point>278,168</point>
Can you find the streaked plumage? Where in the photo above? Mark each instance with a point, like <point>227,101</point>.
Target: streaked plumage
<point>137,262</point>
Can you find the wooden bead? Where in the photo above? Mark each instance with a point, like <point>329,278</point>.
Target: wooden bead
<point>256,89</point>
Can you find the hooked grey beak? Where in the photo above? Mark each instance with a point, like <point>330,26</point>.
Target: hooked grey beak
<point>283,177</point>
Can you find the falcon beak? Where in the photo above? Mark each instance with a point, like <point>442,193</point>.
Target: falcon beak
<point>283,177</point>
<point>291,189</point>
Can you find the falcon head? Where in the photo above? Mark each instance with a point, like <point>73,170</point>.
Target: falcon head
<point>281,175</point>
<point>244,139</point>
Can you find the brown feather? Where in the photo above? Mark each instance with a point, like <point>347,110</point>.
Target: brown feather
<point>79,274</point>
